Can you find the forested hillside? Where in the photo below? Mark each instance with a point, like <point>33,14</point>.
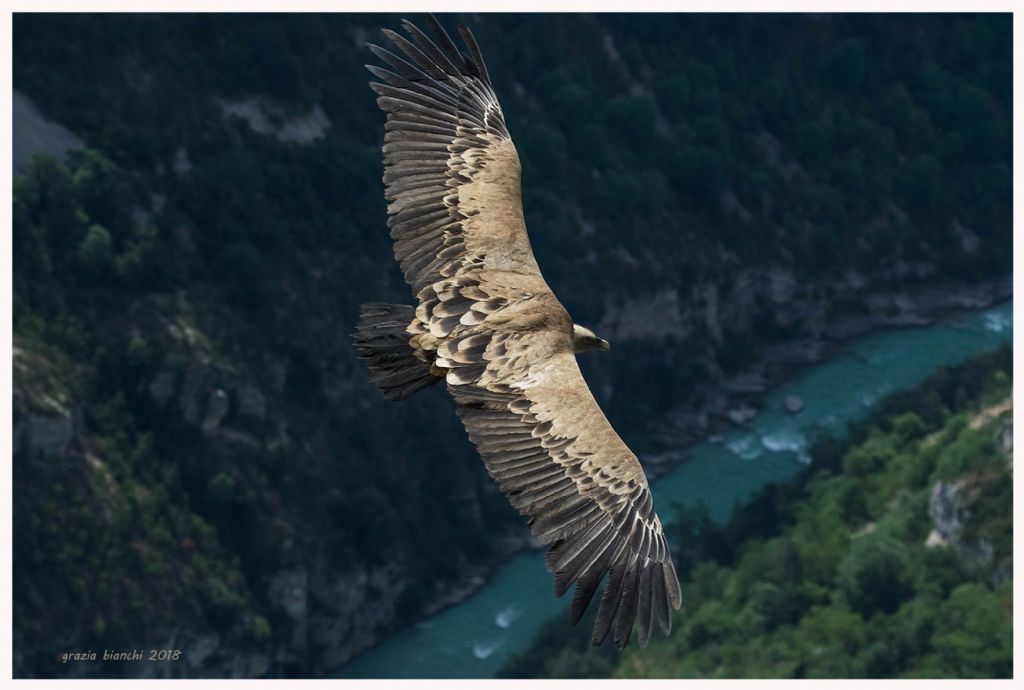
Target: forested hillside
<point>200,460</point>
<point>891,558</point>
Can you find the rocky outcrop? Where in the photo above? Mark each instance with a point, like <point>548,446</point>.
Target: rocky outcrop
<point>341,622</point>
<point>34,133</point>
<point>44,425</point>
<point>46,435</point>
<point>1004,441</point>
<point>959,508</point>
<point>252,404</point>
<point>266,117</point>
<point>809,327</point>
<point>774,294</point>
<point>947,511</point>
<point>651,319</point>
<point>951,509</point>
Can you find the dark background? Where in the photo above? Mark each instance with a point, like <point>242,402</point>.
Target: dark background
<point>195,441</point>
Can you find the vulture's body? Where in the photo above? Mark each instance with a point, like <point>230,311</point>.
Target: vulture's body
<point>487,323</point>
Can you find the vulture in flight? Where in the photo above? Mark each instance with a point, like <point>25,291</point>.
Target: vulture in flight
<point>487,323</point>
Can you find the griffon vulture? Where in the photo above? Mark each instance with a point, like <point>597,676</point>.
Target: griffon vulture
<point>491,328</point>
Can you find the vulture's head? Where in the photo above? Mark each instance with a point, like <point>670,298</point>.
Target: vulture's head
<point>583,339</point>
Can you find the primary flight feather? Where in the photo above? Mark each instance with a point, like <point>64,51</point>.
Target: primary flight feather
<point>487,323</point>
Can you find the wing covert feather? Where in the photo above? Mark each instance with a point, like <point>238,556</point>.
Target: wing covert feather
<point>555,456</point>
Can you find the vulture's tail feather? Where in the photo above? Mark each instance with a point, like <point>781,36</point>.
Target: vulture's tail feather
<point>383,344</point>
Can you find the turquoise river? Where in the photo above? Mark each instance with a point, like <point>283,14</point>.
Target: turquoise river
<point>473,639</point>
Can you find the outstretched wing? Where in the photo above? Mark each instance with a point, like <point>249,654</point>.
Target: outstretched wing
<point>545,440</point>
<point>451,171</point>
<point>455,215</point>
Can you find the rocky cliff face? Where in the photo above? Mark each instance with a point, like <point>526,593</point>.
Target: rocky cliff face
<point>308,605</point>
<point>804,323</point>
<point>961,510</point>
<point>307,612</point>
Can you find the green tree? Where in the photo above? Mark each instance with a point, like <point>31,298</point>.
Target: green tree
<point>874,576</point>
<point>96,254</point>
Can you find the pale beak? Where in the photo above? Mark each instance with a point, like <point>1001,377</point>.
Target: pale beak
<point>604,344</point>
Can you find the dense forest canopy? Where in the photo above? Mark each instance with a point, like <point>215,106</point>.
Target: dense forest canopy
<point>713,140</point>
<point>674,151</point>
<point>840,574</point>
